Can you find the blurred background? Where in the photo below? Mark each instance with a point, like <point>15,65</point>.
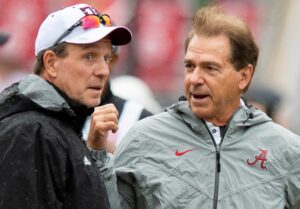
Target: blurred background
<point>156,53</point>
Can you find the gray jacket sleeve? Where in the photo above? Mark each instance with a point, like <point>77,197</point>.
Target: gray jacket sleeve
<point>293,184</point>
<point>121,195</point>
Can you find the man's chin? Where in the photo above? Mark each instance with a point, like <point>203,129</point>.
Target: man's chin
<point>200,111</point>
<point>93,103</point>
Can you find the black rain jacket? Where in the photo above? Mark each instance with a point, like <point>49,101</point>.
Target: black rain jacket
<point>43,161</point>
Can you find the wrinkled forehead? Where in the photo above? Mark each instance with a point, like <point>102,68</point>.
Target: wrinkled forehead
<point>203,48</point>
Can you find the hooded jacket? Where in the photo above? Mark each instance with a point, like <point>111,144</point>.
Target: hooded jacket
<point>43,161</point>
<point>170,160</point>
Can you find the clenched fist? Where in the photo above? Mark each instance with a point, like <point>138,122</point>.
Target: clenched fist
<point>103,120</point>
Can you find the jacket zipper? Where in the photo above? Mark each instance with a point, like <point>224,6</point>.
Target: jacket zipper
<point>218,155</point>
<point>217,176</point>
<point>218,167</point>
<point>218,162</point>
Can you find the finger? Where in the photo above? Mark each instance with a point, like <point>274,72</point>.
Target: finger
<point>98,114</point>
<point>103,127</point>
<point>104,118</point>
<point>108,108</point>
<point>105,106</point>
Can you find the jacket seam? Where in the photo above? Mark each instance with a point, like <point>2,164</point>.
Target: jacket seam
<point>252,186</point>
<point>144,160</point>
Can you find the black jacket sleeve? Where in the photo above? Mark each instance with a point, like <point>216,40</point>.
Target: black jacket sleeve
<point>31,176</point>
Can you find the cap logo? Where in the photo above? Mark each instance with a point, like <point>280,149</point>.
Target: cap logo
<point>89,11</point>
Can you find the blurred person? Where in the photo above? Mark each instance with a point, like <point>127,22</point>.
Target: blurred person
<point>211,151</point>
<point>265,99</point>
<point>44,161</point>
<point>3,38</point>
<point>129,111</point>
<point>140,92</point>
<point>9,69</point>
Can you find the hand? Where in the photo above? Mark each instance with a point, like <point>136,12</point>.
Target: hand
<point>103,120</point>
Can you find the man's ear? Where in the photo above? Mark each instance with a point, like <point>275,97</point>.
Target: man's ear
<point>50,59</point>
<point>246,77</point>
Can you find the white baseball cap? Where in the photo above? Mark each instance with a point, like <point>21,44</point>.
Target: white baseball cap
<point>69,25</point>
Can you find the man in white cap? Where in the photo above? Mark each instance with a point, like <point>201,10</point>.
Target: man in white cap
<point>43,161</point>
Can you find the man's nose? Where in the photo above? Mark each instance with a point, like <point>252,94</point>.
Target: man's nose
<point>102,69</point>
<point>197,76</point>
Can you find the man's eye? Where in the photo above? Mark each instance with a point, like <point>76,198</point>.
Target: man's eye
<point>107,59</point>
<point>188,66</point>
<point>89,57</point>
<point>209,67</point>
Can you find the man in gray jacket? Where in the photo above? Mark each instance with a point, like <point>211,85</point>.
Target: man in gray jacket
<point>211,151</point>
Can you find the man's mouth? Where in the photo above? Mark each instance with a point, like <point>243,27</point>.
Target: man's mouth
<point>199,96</point>
<point>95,88</point>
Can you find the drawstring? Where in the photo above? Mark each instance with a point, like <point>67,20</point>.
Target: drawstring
<point>250,116</point>
<point>188,124</point>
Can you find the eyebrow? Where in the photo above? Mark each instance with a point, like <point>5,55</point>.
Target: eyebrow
<point>187,60</point>
<point>210,63</point>
<point>203,63</point>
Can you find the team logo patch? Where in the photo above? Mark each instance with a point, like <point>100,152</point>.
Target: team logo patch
<point>261,158</point>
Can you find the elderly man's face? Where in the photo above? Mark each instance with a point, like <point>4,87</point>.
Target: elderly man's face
<point>212,85</point>
<point>83,72</point>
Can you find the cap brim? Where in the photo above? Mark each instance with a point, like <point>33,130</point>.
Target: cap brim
<point>119,35</point>
<point>3,38</point>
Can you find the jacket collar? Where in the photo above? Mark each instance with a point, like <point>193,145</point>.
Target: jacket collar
<point>35,93</point>
<point>243,117</point>
<point>42,93</point>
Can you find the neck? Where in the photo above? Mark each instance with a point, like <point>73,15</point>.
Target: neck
<point>225,116</point>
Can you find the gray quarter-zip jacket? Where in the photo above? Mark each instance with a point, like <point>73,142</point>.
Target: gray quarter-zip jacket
<point>170,160</point>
